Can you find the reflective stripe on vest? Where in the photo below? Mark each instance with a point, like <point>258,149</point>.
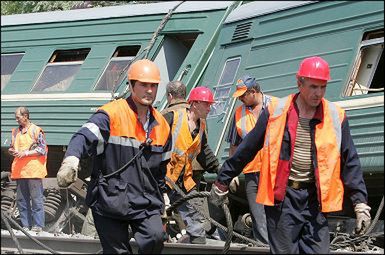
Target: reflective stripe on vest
<point>245,121</point>
<point>126,129</point>
<point>31,166</point>
<point>185,149</point>
<point>328,144</point>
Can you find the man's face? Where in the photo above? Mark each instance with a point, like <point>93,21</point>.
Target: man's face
<point>22,120</point>
<point>312,91</point>
<point>248,98</point>
<point>144,93</point>
<point>202,108</point>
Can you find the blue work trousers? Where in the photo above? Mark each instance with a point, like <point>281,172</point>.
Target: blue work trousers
<point>193,219</point>
<point>114,236</point>
<point>296,225</point>
<point>30,202</point>
<point>257,210</point>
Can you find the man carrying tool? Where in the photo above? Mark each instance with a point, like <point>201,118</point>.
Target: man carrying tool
<point>246,115</point>
<point>130,143</point>
<point>188,126</point>
<point>308,161</point>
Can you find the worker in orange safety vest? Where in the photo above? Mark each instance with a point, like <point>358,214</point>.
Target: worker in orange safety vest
<point>29,167</point>
<point>129,141</point>
<point>249,92</point>
<point>188,128</point>
<point>309,162</point>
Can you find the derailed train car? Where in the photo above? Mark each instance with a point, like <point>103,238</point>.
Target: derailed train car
<point>63,65</point>
<point>268,40</point>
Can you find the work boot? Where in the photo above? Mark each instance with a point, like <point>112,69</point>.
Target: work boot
<point>198,239</point>
<point>183,239</point>
<point>36,229</point>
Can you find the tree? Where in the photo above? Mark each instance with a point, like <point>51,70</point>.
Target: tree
<point>19,7</point>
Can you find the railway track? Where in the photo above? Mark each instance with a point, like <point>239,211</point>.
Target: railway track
<point>78,244</point>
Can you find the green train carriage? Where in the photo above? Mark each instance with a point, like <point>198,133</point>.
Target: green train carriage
<point>63,65</point>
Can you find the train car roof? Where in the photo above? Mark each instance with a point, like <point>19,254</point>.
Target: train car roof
<point>258,8</point>
<point>112,12</point>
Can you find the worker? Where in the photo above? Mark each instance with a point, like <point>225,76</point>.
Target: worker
<point>130,143</point>
<point>246,115</point>
<point>188,128</point>
<point>308,162</point>
<point>29,168</point>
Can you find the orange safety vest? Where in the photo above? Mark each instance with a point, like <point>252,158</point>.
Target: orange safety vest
<point>184,149</point>
<point>31,166</point>
<point>328,143</point>
<point>245,121</point>
<point>124,122</point>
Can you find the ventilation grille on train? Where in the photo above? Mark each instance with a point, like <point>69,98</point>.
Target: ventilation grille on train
<point>241,31</point>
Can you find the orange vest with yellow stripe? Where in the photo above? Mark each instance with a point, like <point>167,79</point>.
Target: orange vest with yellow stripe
<point>30,166</point>
<point>124,122</point>
<point>184,149</point>
<point>328,143</point>
<point>245,121</point>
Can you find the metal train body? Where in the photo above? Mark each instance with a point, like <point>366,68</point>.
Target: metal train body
<point>64,65</point>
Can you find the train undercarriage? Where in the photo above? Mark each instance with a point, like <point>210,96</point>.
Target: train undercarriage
<point>65,216</point>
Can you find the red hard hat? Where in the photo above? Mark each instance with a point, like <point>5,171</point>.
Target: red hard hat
<point>201,94</point>
<point>314,67</point>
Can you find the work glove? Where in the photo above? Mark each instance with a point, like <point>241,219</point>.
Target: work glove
<point>68,171</point>
<point>234,184</point>
<point>217,194</point>
<point>363,219</point>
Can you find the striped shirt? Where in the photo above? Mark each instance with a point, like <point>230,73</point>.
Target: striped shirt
<point>302,167</point>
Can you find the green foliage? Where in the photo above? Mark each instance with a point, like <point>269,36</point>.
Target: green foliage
<point>19,7</point>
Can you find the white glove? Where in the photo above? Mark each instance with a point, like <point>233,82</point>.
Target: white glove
<point>363,218</point>
<point>218,197</point>
<point>68,171</point>
<point>234,184</point>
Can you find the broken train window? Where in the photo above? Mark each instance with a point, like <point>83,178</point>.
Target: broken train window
<point>367,76</point>
<point>114,73</point>
<point>60,70</point>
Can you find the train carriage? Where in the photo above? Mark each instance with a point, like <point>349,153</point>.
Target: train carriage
<point>63,65</point>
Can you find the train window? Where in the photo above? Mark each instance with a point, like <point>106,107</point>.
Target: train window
<point>9,63</point>
<point>170,57</point>
<point>60,70</point>
<point>114,74</point>
<point>222,90</point>
<point>367,76</point>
